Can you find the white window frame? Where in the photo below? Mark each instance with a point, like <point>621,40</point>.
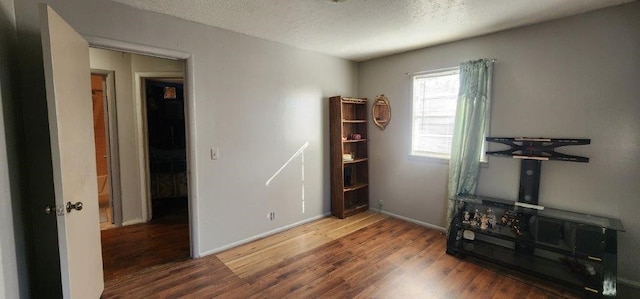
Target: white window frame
<point>437,156</point>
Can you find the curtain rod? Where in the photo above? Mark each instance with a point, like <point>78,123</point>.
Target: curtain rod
<point>492,60</point>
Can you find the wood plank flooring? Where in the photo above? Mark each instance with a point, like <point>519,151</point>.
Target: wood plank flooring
<point>365,256</point>
<point>159,243</point>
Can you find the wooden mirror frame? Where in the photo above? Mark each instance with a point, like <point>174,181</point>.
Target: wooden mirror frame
<point>381,112</point>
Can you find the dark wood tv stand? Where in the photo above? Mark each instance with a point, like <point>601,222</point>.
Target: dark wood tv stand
<point>574,249</point>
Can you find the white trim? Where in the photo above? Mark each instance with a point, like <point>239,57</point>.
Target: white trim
<point>192,163</point>
<point>116,45</point>
<point>418,222</point>
<point>142,145</point>
<point>114,153</point>
<point>132,222</point>
<point>256,237</point>
<point>437,73</point>
<point>445,69</point>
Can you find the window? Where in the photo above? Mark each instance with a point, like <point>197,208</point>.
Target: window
<point>434,110</point>
<point>435,96</point>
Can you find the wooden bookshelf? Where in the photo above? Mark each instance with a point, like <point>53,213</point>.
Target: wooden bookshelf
<point>349,176</point>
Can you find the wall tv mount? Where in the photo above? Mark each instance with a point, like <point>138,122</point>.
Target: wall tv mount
<point>533,151</point>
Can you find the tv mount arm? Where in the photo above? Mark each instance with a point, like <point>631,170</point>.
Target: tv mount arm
<point>538,148</point>
<point>533,151</point>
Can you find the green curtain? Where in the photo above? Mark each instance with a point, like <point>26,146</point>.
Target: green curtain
<point>469,128</point>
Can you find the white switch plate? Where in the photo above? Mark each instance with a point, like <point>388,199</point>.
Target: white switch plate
<point>215,154</point>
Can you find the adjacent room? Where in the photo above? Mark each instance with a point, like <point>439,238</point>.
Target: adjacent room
<point>319,148</point>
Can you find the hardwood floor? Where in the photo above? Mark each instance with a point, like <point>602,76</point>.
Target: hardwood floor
<point>365,256</point>
<point>159,243</point>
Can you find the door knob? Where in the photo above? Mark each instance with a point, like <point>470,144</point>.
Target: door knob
<point>74,206</point>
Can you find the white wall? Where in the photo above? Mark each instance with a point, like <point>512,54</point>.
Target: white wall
<point>257,101</point>
<point>142,64</point>
<point>124,66</point>
<point>574,77</point>
<point>6,217</point>
<point>12,255</point>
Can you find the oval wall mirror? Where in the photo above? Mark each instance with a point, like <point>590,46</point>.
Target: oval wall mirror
<point>381,112</point>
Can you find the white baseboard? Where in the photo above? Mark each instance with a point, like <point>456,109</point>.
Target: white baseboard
<point>418,222</point>
<point>132,222</point>
<point>629,282</point>
<point>271,232</point>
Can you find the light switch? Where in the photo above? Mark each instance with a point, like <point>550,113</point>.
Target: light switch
<point>215,154</point>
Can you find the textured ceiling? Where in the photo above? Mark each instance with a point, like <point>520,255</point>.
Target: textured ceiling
<point>364,29</point>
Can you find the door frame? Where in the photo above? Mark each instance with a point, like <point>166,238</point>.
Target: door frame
<point>190,119</point>
<point>113,156</point>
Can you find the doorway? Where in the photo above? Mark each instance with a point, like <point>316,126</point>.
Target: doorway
<point>139,241</point>
<point>101,139</point>
<point>166,145</point>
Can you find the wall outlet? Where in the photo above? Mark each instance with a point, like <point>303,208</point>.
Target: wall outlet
<point>271,216</point>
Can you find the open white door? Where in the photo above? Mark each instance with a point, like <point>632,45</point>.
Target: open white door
<point>67,77</point>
